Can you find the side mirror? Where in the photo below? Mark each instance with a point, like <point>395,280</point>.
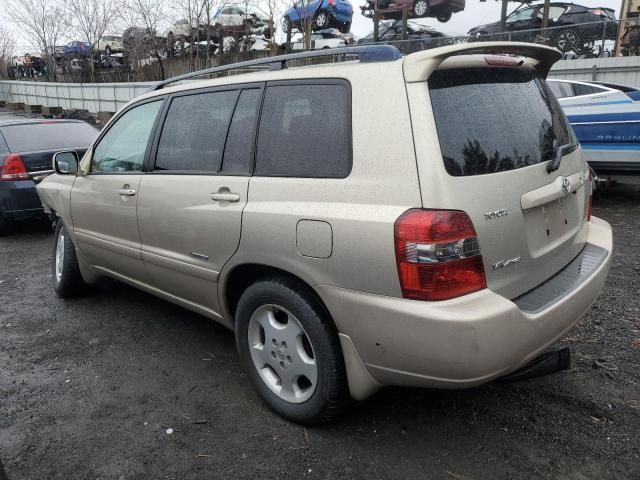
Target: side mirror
<point>65,163</point>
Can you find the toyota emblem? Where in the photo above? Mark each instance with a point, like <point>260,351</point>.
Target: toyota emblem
<point>566,185</point>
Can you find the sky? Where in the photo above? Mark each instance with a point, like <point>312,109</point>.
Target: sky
<point>476,13</point>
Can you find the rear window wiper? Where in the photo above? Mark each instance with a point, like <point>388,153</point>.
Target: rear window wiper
<point>554,163</point>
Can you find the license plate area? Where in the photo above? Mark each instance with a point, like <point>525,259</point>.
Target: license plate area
<point>549,225</point>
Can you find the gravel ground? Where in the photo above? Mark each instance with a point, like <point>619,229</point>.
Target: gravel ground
<point>90,388</point>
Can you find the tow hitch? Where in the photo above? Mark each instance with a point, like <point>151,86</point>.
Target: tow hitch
<point>549,362</point>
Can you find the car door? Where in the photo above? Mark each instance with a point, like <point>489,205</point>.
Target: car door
<point>104,201</point>
<point>190,204</point>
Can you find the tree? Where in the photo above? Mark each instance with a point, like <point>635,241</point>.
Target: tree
<point>90,19</point>
<point>143,18</point>
<point>275,9</point>
<point>7,41</point>
<point>44,23</point>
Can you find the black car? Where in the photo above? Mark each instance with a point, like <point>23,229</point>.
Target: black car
<point>26,152</point>
<point>573,28</point>
<point>419,37</point>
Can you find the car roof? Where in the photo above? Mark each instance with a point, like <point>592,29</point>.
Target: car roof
<point>37,121</point>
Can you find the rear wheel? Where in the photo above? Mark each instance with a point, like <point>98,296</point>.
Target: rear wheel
<point>322,20</point>
<point>420,8</point>
<point>345,27</point>
<point>567,42</point>
<point>445,16</point>
<point>290,349</point>
<point>67,280</point>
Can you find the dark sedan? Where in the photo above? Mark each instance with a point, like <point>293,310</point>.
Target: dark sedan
<point>572,27</point>
<point>419,37</point>
<point>26,150</point>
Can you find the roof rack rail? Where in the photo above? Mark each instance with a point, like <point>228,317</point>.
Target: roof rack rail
<point>365,53</point>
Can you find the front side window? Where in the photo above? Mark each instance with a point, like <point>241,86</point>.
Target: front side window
<point>305,131</point>
<point>123,147</point>
<point>195,130</point>
<point>524,14</point>
<point>555,12</point>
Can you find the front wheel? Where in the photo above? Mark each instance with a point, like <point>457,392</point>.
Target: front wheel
<point>420,8</point>
<point>290,349</point>
<point>67,280</point>
<point>322,20</point>
<point>4,226</point>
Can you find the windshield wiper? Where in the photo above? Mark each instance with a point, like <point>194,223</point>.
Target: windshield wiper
<point>554,164</point>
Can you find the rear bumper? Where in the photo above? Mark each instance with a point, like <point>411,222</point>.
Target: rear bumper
<point>19,200</point>
<point>456,343</point>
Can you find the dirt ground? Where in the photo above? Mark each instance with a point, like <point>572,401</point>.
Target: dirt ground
<point>89,389</point>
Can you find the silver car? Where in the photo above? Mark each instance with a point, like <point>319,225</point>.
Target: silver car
<point>419,221</point>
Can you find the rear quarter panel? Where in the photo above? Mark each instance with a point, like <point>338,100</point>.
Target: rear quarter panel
<point>361,209</point>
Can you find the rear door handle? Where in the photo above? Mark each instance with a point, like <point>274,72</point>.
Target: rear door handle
<point>127,192</point>
<point>225,197</point>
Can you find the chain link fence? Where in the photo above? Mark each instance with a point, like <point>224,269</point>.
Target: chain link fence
<point>586,40</point>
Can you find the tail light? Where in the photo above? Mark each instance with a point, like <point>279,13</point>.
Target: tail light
<point>598,11</point>
<point>438,255</point>
<point>13,168</point>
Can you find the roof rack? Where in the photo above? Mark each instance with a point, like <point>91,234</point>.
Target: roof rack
<point>365,54</point>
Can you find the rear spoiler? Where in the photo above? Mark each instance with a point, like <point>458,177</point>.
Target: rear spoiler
<point>418,66</point>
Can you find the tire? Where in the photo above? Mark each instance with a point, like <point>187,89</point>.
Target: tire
<point>286,25</point>
<point>345,27</point>
<point>420,8</point>
<point>4,226</point>
<point>444,17</point>
<point>567,42</point>
<point>67,280</point>
<point>289,328</point>
<point>322,20</point>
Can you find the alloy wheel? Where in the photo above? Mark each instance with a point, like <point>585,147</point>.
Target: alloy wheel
<point>282,353</point>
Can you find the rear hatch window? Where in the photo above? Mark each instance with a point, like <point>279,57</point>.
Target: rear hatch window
<point>31,137</point>
<point>475,111</point>
<point>498,127</point>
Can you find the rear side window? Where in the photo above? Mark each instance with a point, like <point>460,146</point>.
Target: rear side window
<point>495,119</point>
<point>48,136</point>
<point>195,131</point>
<point>305,131</point>
<point>561,89</point>
<point>238,152</point>
<point>586,89</point>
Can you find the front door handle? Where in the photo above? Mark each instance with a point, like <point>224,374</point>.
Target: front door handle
<point>127,192</point>
<point>225,197</point>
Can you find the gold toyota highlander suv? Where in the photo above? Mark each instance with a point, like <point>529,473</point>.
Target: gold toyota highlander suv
<point>381,220</point>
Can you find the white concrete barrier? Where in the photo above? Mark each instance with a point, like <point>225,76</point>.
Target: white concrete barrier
<point>94,97</point>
